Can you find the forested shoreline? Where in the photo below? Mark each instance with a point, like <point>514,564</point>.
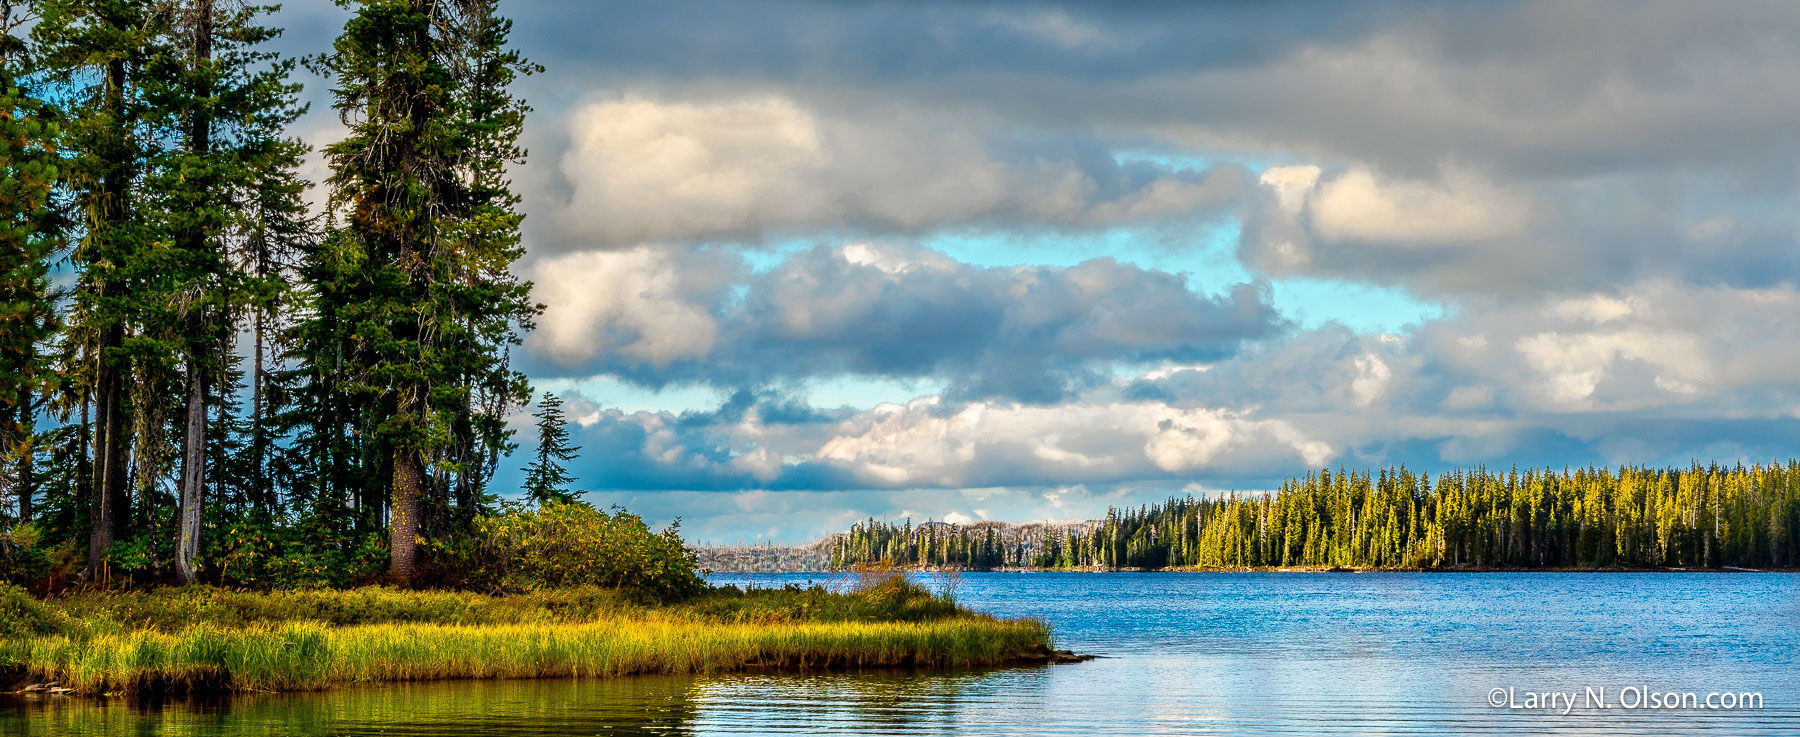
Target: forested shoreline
<point>1588,518</point>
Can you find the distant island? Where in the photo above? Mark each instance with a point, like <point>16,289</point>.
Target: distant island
<point>1631,517</point>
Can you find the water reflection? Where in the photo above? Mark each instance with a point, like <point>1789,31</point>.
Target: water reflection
<point>856,703</point>
<point>864,704</point>
<point>629,706</point>
<point>1188,654</point>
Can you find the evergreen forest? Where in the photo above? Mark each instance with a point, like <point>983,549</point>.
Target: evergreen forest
<point>213,370</point>
<point>1711,517</point>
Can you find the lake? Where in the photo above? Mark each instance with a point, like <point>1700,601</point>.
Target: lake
<point>1184,653</point>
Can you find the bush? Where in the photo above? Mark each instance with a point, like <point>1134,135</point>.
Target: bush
<point>562,545</point>
<point>889,599</point>
<point>22,560</point>
<point>321,550</point>
<point>23,616</point>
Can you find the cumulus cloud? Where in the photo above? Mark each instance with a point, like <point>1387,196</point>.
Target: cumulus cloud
<point>644,305</point>
<point>1309,222</point>
<point>1651,345</point>
<point>641,169</point>
<point>1354,206</point>
<point>1654,372</point>
<point>932,443</point>
<point>882,310</point>
<point>1537,387</point>
<point>985,444</point>
<point>1529,380</point>
<point>1501,148</point>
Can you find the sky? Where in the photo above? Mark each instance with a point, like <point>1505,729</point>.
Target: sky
<point>806,263</point>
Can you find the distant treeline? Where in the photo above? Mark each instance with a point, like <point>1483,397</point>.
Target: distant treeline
<point>762,558</point>
<point>1395,518</point>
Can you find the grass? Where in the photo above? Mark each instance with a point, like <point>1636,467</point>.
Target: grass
<point>204,639</point>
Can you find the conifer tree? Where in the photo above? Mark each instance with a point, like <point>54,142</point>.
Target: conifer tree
<point>416,284</point>
<point>546,479</point>
<point>30,226</point>
<point>227,103</point>
<point>97,50</point>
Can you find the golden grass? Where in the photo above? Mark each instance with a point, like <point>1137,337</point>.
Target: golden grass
<point>308,655</point>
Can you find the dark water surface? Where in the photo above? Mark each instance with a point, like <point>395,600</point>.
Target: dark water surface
<point>1200,653</point>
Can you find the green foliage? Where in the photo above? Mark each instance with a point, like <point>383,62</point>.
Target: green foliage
<point>22,560</point>
<point>562,545</point>
<point>321,550</point>
<point>31,232</point>
<point>22,616</point>
<point>890,599</point>
<point>1703,516</point>
<point>147,149</point>
<point>412,306</point>
<point>546,480</point>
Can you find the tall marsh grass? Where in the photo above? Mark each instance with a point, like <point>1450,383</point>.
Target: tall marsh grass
<point>213,640</point>
<point>312,655</point>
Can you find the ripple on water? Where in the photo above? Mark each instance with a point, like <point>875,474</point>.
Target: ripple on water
<point>1226,654</point>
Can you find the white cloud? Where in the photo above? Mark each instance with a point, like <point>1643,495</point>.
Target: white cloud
<point>1371,380</point>
<point>1292,185</point>
<point>646,170</point>
<point>1354,206</point>
<point>1469,398</point>
<point>1453,233</point>
<point>983,441</point>
<point>636,302</point>
<point>1596,308</point>
<point>641,169</point>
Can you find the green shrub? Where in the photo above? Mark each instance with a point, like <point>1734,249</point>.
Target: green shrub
<point>889,599</point>
<point>23,616</point>
<point>22,560</point>
<point>320,550</point>
<point>563,545</point>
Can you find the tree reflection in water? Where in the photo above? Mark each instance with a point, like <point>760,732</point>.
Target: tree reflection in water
<point>851,703</point>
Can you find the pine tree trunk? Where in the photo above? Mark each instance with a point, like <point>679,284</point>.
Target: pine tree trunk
<point>403,526</point>
<point>258,445</point>
<point>84,482</point>
<point>26,484</point>
<point>193,476</point>
<point>12,435</point>
<point>109,494</point>
<point>110,445</point>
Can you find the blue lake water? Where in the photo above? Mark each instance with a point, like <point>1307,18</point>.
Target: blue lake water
<point>1200,653</point>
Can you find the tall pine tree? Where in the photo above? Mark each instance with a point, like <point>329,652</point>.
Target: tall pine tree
<point>97,49</point>
<point>30,226</point>
<point>227,103</point>
<point>416,284</point>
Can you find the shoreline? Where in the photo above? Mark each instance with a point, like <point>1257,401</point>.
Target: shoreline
<point>421,653</point>
<point>175,642</point>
